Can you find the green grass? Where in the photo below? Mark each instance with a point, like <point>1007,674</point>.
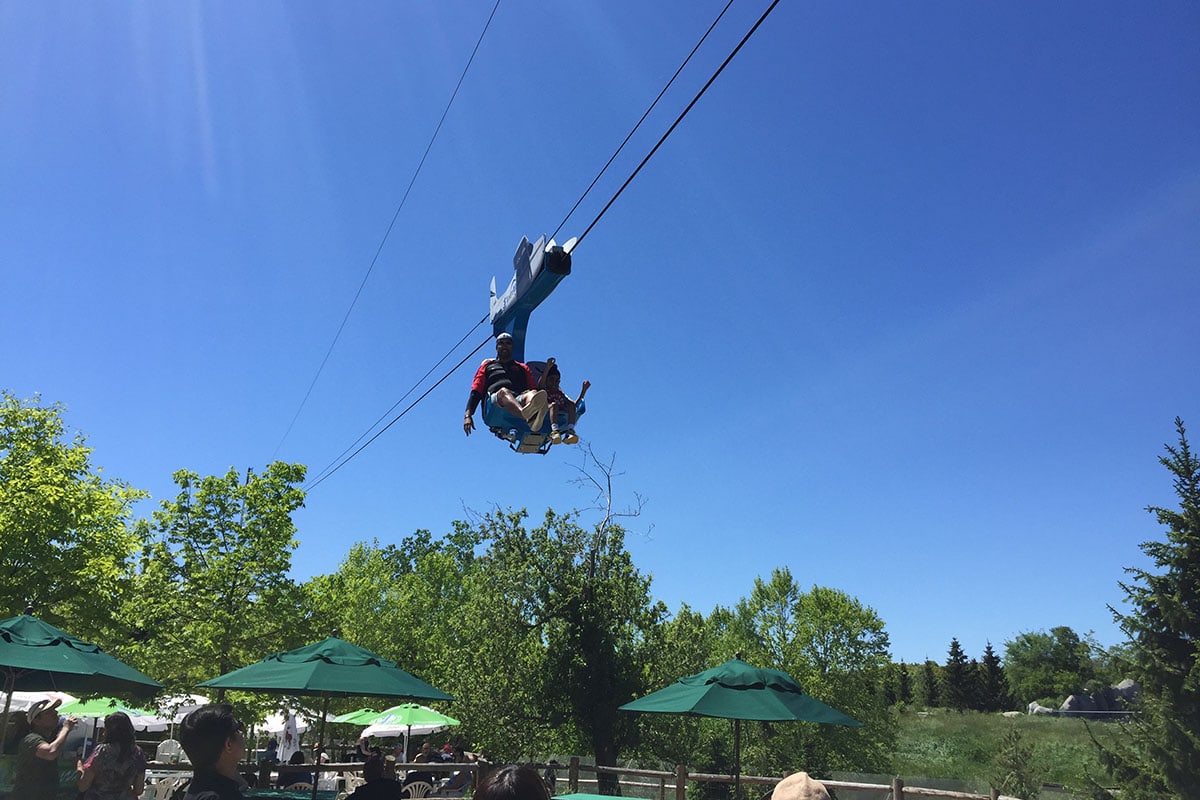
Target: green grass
<point>946,744</point>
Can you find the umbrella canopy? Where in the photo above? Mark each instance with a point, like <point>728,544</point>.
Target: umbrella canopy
<point>330,668</point>
<point>35,655</point>
<point>100,707</point>
<point>736,690</point>
<point>407,719</point>
<point>19,701</point>
<point>363,716</point>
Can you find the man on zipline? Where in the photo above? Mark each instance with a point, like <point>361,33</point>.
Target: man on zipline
<point>508,384</point>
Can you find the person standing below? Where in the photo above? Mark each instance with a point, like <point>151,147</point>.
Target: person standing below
<point>36,770</point>
<point>117,768</point>
<point>508,384</point>
<point>215,743</point>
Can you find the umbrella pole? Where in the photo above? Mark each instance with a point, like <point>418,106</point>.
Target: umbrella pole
<point>737,759</point>
<point>10,680</point>
<point>320,746</point>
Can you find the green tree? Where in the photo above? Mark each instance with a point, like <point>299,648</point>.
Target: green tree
<point>904,687</point>
<point>1042,665</point>
<point>957,679</point>
<point>1016,772</point>
<point>837,649</point>
<point>931,695</point>
<point>994,694</point>
<point>1159,752</point>
<point>213,593</point>
<point>66,539</point>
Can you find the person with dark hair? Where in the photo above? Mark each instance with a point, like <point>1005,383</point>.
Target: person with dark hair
<point>36,773</point>
<point>116,769</point>
<point>512,782</point>
<point>289,777</point>
<point>378,785</point>
<point>214,741</point>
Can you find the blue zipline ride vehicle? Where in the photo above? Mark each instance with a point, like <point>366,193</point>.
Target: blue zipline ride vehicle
<point>538,268</point>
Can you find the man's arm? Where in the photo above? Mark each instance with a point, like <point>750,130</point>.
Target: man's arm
<point>476,395</point>
<point>50,750</point>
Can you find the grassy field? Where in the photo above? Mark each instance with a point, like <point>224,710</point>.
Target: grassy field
<point>946,744</point>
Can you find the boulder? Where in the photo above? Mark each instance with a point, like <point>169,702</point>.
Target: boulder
<point>799,786</point>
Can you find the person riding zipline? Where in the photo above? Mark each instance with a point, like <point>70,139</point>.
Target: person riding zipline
<point>508,384</point>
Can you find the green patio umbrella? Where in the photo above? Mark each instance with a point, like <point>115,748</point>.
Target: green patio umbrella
<point>363,716</point>
<point>329,668</point>
<point>736,690</point>
<point>401,719</point>
<point>35,655</point>
<point>101,707</point>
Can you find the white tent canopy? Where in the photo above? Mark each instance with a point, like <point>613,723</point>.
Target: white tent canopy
<point>23,700</point>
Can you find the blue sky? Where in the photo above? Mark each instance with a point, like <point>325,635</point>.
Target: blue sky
<point>906,304</point>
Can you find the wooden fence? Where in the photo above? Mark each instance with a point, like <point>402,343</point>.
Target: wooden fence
<point>673,785</point>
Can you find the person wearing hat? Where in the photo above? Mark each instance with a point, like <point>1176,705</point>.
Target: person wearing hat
<point>509,384</point>
<point>36,773</point>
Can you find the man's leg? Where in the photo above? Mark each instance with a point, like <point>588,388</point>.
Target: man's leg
<point>534,408</point>
<point>505,399</point>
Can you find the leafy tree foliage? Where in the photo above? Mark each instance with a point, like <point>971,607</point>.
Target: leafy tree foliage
<point>213,593</point>
<point>837,649</point>
<point>958,679</point>
<point>1159,753</point>
<point>65,533</point>
<point>1042,665</point>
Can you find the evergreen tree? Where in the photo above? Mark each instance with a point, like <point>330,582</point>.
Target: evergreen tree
<point>904,688</point>
<point>1016,774</point>
<point>930,694</point>
<point>957,679</point>
<point>994,687</point>
<point>1159,753</point>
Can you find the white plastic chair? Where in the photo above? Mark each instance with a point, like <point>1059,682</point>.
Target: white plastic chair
<point>418,789</point>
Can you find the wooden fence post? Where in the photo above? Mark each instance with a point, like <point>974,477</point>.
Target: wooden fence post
<point>897,788</point>
<point>995,794</point>
<point>680,782</point>
<point>573,775</point>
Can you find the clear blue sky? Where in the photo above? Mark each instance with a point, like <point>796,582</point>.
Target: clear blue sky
<point>907,304</point>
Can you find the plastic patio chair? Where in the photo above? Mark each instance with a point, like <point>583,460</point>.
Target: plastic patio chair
<point>418,789</point>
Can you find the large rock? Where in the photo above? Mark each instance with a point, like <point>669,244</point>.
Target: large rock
<point>799,786</point>
<point>1112,701</point>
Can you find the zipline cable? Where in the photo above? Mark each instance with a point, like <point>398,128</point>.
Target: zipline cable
<point>397,418</point>
<point>678,120</point>
<point>322,474</point>
<point>362,284</point>
<point>638,124</point>
<point>328,471</point>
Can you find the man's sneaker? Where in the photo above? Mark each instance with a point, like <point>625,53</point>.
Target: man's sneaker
<point>570,437</point>
<point>556,437</point>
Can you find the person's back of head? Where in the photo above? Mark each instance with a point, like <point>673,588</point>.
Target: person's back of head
<point>204,733</point>
<point>512,782</point>
<point>118,730</point>
<point>373,768</point>
<point>297,757</point>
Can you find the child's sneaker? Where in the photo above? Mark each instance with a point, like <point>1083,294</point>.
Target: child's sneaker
<point>555,436</point>
<point>570,437</point>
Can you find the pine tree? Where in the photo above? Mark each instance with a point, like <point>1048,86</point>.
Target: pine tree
<point>1159,753</point>
<point>904,689</point>
<point>994,687</point>
<point>929,685</point>
<point>1016,774</point>
<point>957,679</point>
